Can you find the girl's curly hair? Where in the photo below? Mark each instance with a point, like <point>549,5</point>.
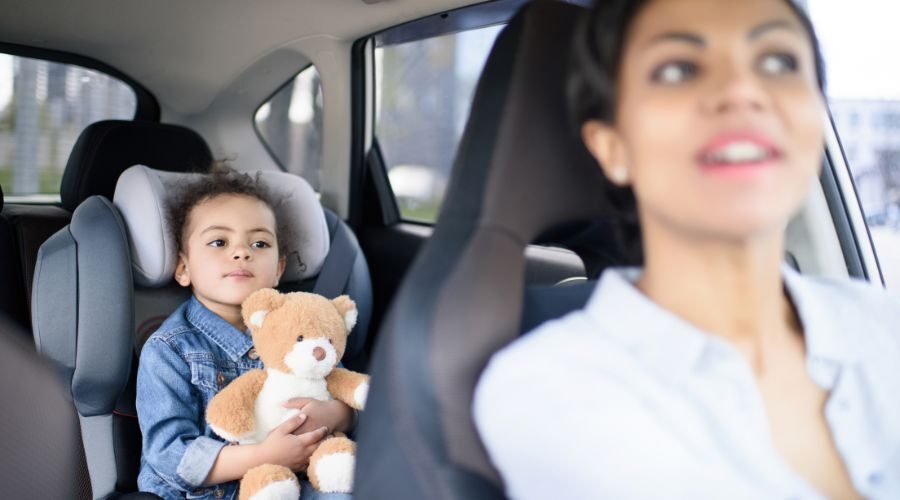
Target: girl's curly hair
<point>222,180</point>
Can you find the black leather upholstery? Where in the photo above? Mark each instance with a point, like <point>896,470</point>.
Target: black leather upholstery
<point>520,172</point>
<point>107,148</point>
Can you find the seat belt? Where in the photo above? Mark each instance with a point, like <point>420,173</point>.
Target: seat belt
<point>335,273</point>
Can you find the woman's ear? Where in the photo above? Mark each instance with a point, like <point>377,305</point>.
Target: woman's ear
<point>607,147</point>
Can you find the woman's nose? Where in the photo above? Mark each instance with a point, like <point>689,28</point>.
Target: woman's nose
<point>736,91</point>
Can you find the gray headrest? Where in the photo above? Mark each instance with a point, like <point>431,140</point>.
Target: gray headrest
<point>143,195</point>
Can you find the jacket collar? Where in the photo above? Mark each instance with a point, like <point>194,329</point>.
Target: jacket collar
<point>233,341</point>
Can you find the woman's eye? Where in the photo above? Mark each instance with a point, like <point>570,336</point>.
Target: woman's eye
<point>216,243</point>
<point>261,244</point>
<point>300,338</point>
<point>674,72</point>
<point>778,64</point>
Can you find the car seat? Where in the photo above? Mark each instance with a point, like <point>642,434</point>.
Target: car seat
<point>103,283</point>
<point>521,172</point>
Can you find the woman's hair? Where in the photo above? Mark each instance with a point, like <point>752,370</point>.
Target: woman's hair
<point>221,181</point>
<point>596,61</point>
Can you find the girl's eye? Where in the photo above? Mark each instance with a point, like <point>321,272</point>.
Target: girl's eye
<point>674,72</point>
<point>216,243</point>
<point>778,64</point>
<point>300,338</point>
<point>261,244</point>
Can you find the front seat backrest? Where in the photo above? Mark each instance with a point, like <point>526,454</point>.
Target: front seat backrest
<point>520,171</point>
<point>38,433</point>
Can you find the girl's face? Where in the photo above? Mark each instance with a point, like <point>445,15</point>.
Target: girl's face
<point>230,251</point>
<point>719,117</point>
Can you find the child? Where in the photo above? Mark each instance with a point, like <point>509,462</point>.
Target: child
<point>226,235</point>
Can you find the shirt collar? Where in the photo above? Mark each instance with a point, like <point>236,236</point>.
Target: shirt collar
<point>827,321</point>
<point>648,331</point>
<point>233,341</point>
<point>666,341</point>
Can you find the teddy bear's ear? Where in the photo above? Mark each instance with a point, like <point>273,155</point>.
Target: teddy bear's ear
<point>347,308</point>
<point>258,304</point>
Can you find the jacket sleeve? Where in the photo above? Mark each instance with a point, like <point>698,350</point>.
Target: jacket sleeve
<point>169,413</point>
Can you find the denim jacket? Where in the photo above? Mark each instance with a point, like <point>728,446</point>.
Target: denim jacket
<point>193,355</point>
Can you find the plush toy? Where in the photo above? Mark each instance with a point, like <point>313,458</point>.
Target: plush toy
<point>300,338</point>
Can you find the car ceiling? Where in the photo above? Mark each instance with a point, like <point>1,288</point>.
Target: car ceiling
<point>186,52</point>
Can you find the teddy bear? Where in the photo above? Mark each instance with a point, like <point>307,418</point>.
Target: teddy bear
<point>300,338</point>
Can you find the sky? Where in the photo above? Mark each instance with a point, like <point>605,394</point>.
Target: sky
<point>859,40</point>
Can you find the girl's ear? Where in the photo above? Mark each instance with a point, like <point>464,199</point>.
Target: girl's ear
<point>182,273</point>
<point>282,263</point>
<point>607,147</point>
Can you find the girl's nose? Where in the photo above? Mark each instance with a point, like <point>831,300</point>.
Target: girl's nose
<point>241,253</point>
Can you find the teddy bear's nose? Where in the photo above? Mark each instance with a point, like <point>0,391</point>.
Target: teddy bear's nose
<point>319,353</point>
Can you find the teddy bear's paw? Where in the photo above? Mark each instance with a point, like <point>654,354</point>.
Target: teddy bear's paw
<point>361,393</point>
<point>279,490</point>
<point>334,473</point>
<point>269,482</point>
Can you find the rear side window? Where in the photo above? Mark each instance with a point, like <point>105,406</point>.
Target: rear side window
<point>44,106</point>
<point>290,126</point>
<point>424,90</point>
<point>859,41</point>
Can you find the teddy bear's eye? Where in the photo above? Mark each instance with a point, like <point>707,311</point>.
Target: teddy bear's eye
<point>330,341</point>
<point>300,338</point>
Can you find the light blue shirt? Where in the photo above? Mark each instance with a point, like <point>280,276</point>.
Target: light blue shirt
<point>623,399</point>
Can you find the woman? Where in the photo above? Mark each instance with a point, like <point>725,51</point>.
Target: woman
<point>713,371</point>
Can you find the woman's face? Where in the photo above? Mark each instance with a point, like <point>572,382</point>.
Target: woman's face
<point>719,117</point>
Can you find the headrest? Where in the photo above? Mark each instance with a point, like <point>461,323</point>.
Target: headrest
<point>105,149</point>
<point>143,196</point>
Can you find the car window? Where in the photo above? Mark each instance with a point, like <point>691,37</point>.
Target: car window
<point>290,126</point>
<point>44,106</point>
<point>858,41</point>
<point>424,89</point>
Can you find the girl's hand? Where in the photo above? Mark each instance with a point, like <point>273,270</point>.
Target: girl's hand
<point>283,447</point>
<point>334,414</point>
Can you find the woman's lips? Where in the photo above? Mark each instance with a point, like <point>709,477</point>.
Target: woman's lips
<point>738,153</point>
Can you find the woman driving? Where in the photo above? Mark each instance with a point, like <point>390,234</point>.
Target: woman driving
<point>713,370</point>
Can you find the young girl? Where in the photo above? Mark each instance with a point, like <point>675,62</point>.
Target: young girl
<point>713,371</point>
<point>226,233</point>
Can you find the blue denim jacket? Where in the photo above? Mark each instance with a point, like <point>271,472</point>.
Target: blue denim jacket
<point>183,365</point>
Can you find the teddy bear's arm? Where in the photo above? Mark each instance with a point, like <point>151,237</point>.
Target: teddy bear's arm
<point>230,413</point>
<point>349,387</point>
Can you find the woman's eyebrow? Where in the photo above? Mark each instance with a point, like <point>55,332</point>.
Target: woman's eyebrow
<point>764,28</point>
<point>678,36</point>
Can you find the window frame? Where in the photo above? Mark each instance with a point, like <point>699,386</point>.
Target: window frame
<point>268,98</point>
<point>146,106</point>
<point>365,154</point>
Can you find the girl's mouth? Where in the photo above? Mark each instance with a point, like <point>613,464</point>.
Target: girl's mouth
<point>240,273</point>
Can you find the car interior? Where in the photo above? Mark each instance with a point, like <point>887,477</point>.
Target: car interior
<point>521,233</point>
